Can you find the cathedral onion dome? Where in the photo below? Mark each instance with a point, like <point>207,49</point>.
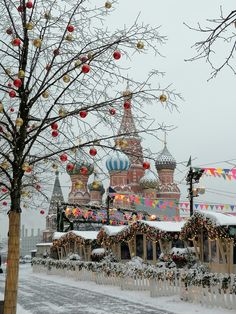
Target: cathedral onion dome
<point>149,180</point>
<point>165,160</point>
<point>96,186</point>
<point>118,161</point>
<point>80,168</point>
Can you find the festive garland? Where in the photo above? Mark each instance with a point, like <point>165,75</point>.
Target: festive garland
<point>199,276</point>
<point>72,237</point>
<point>152,233</point>
<point>198,222</point>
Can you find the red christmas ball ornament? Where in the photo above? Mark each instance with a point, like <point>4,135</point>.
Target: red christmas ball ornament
<point>28,169</point>
<point>17,83</point>
<point>83,114</point>
<point>29,5</point>
<point>85,68</point>
<point>112,111</point>
<point>146,165</point>
<point>117,55</point>
<point>12,109</point>
<point>55,133</point>
<point>38,187</point>
<point>54,126</point>
<point>42,211</point>
<point>12,94</point>
<point>70,28</point>
<point>9,31</point>
<point>83,170</point>
<point>127,105</point>
<point>83,59</point>
<point>4,190</point>
<point>20,8</point>
<point>70,167</point>
<point>63,157</point>
<point>16,42</point>
<point>56,52</point>
<point>93,151</point>
<point>4,203</point>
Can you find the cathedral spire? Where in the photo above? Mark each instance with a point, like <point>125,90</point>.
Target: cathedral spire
<point>57,195</point>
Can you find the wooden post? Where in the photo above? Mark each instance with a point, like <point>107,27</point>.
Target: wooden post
<point>13,256</point>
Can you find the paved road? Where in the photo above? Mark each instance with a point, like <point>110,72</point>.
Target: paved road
<point>41,296</point>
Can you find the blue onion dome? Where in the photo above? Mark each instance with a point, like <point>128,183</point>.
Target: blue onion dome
<point>96,185</point>
<point>118,161</point>
<point>149,180</point>
<point>165,160</point>
<point>80,166</point>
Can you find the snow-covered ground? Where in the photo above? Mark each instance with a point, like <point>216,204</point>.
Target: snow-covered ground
<point>42,293</point>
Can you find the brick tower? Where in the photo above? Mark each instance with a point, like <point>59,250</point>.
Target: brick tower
<point>51,218</point>
<point>79,176</point>
<point>133,149</point>
<point>165,165</point>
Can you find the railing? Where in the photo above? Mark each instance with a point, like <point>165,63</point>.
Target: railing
<point>168,283</point>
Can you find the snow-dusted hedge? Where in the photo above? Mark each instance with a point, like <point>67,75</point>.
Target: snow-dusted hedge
<point>136,268</point>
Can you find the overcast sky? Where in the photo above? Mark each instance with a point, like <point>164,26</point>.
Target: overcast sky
<point>206,121</point>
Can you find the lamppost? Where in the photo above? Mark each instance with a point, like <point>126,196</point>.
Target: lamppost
<point>193,176</point>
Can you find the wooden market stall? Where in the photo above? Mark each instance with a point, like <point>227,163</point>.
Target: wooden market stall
<point>146,239</point>
<point>213,235</point>
<point>75,242</point>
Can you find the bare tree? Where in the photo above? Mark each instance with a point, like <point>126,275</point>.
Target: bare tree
<point>220,32</point>
<point>59,81</point>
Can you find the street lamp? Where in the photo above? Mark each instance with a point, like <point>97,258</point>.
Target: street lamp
<point>193,176</point>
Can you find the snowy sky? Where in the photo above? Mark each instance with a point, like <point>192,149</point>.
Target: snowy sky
<point>205,123</point>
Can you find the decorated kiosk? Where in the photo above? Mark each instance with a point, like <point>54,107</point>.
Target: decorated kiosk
<point>146,239</point>
<point>74,242</point>
<point>213,235</point>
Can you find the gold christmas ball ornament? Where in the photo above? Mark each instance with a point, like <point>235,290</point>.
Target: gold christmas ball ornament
<point>55,166</point>
<point>1,107</point>
<point>8,71</point>
<point>163,98</point>
<point>90,55</point>
<point>108,4</point>
<point>77,63</point>
<point>79,185</point>
<point>5,165</point>
<point>19,122</point>
<point>69,37</point>
<point>37,42</point>
<point>45,94</point>
<point>140,45</point>
<point>96,184</point>
<point>29,26</point>
<point>123,144</point>
<point>62,112</point>
<point>21,74</point>
<point>25,166</point>
<point>74,150</point>
<point>66,78</point>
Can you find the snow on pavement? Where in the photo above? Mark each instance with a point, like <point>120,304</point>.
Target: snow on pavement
<point>42,293</point>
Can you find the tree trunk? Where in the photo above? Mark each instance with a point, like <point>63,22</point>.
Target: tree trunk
<point>13,255</point>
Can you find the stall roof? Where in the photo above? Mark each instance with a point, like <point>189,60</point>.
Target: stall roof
<point>90,235</point>
<point>167,226</point>
<point>220,219</point>
<point>113,230</point>
<point>58,235</point>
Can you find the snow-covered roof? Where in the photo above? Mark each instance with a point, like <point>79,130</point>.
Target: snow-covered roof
<point>90,235</point>
<point>113,230</point>
<point>44,244</point>
<point>220,219</point>
<point>58,235</point>
<point>168,226</point>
